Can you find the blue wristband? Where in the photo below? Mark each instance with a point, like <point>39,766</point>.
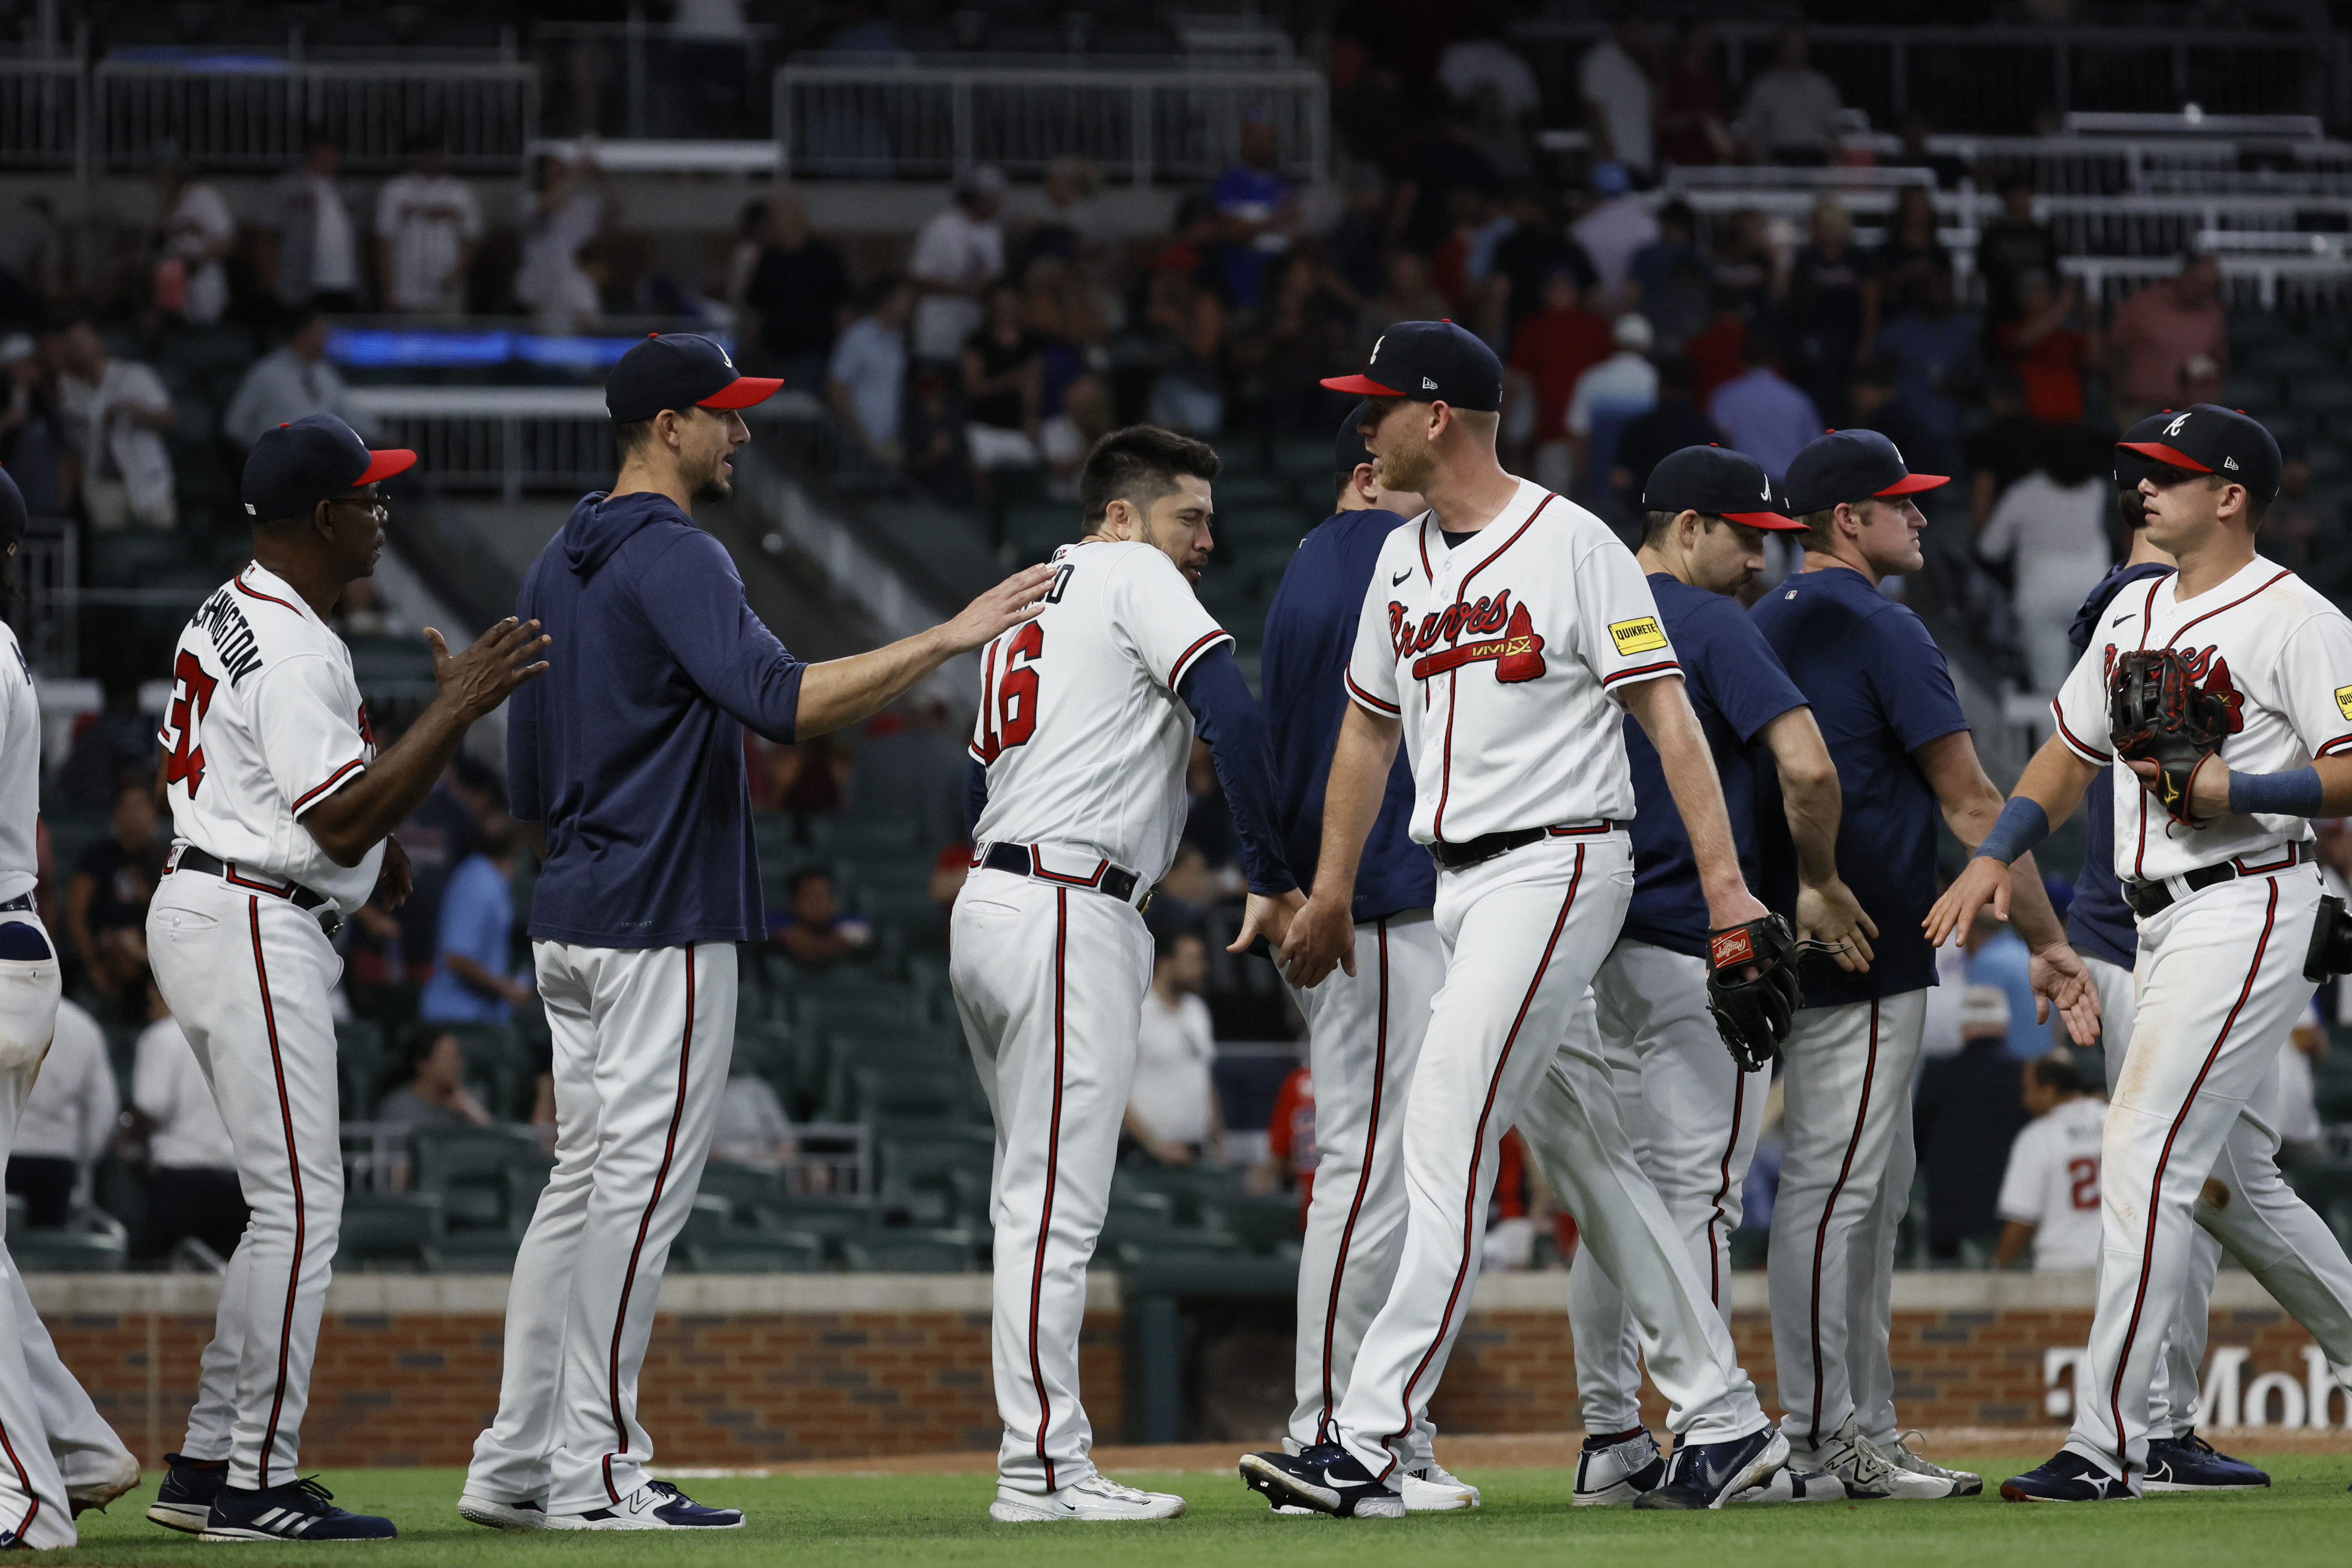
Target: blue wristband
<point>2023,825</point>
<point>2295,794</point>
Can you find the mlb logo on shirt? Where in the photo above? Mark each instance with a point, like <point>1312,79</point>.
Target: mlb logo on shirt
<point>1638,635</point>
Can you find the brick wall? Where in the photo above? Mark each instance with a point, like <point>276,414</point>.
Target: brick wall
<point>745,1372</point>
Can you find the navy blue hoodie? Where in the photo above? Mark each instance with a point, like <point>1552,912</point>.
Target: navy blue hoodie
<point>629,750</point>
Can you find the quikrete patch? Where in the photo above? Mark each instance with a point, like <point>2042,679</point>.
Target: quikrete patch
<point>1643,634</point>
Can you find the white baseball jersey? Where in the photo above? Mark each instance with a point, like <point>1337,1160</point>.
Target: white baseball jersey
<point>265,722</point>
<point>20,771</point>
<point>2052,1183</point>
<point>1080,727</point>
<point>2276,649</point>
<point>1499,655</point>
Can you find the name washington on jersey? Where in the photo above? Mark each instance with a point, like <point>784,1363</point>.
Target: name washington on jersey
<point>233,639</point>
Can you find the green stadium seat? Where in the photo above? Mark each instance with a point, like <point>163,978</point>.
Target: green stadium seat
<point>1261,1224</point>
<point>68,1251</point>
<point>746,1191</point>
<point>487,1176</point>
<point>474,1252</point>
<point>757,1252</point>
<point>912,1251</point>
<point>379,1229</point>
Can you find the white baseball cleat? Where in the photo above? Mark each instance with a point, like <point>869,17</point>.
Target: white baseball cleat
<point>1095,1498</point>
<point>496,1515</point>
<point>1858,1467</point>
<point>1790,1484</point>
<point>1915,1477</point>
<point>1433,1489</point>
<point>657,1505</point>
<point>1611,1475</point>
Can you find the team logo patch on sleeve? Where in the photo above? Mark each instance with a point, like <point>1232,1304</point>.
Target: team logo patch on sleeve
<point>1640,635</point>
<point>2344,700</point>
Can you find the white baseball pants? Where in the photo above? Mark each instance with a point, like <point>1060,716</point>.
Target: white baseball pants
<point>1845,1182</point>
<point>1364,1035</point>
<point>1511,1040</point>
<point>51,1435</point>
<point>1049,982</point>
<point>1693,1117</point>
<point>248,976</point>
<point>2218,986</point>
<point>643,1038</point>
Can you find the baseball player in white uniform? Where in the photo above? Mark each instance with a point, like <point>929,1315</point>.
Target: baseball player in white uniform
<point>2049,1190</point>
<point>626,769</point>
<point>1086,715</point>
<point>280,812</point>
<point>2218,870</point>
<point>58,1456</point>
<point>1495,631</point>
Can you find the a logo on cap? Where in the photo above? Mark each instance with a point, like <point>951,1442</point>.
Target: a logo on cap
<point>251,510</point>
<point>1768,487</point>
<point>1376,347</point>
<point>1427,385</point>
<point>2229,462</point>
<point>2174,428</point>
<point>1898,455</point>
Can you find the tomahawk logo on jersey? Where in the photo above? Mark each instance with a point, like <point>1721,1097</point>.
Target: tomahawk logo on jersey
<point>1498,653</point>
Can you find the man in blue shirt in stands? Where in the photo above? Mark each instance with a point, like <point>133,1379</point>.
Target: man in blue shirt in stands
<point>1364,1029</point>
<point>474,940</point>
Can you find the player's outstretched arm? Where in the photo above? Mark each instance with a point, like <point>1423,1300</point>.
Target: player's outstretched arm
<point>841,691</point>
<point>1827,911</point>
<point>1323,933</point>
<point>1663,710</point>
<point>2053,783</point>
<point>351,820</point>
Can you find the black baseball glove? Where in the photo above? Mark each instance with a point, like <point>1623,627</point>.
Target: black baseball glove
<point>1754,1011</point>
<point>2158,713</point>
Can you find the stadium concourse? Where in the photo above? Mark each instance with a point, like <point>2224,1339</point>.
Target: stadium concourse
<point>969,239</point>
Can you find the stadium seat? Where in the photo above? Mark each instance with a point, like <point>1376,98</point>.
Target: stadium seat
<point>474,1252</point>
<point>487,1176</point>
<point>756,1252</point>
<point>388,1228</point>
<point>1261,1224</point>
<point>68,1251</point>
<point>743,1190</point>
<point>912,1252</point>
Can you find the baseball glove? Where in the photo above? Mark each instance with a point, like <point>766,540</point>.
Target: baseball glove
<point>1753,1011</point>
<point>2158,713</point>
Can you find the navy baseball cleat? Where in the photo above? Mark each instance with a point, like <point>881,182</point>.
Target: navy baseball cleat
<point>298,1510</point>
<point>2191,1464</point>
<point>1705,1474</point>
<point>2067,1478</point>
<point>184,1501</point>
<point>657,1505</point>
<point>1326,1478</point>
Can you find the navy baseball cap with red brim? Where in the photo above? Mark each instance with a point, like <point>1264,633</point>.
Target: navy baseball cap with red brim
<point>680,370</point>
<point>1429,361</point>
<point>1716,481</point>
<point>2206,438</point>
<point>295,467</point>
<point>1850,466</point>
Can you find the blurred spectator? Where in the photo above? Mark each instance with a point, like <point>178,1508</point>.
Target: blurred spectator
<point>1479,58</point>
<point>198,231</point>
<point>813,932</point>
<point>1368,109</point>
<point>293,381</point>
<point>1353,245</point>
<point>1612,229</point>
<point>752,1130</point>
<point>1693,110</point>
<point>440,836</point>
<point>1609,395</point>
<point>1188,888</point>
<point>2052,526</point>
<point>2294,532</point>
<point>1063,441</point>
<point>799,293</point>
<point>1066,220</point>
<point>1759,413</point>
<point>2013,245</point>
<point>866,379</point>
<point>2050,1192</point>
<point>1998,957</point>
<point>1613,80</point>
<point>426,226</point>
<point>1185,326</point>
<point>474,976</point>
<point>36,445</point>
<point>1717,351</point>
<point>743,256</point>
<point>113,748</point>
<point>912,767</point>
<point>559,216</point>
<point>191,1186</point>
<point>1291,1155</point>
<point>813,778</point>
<point>66,1121</point>
<point>427,1085</point>
<point>1171,1105</point>
<point>950,868</point>
<point>1061,309</point>
<point>2004,449</point>
<point>1964,1115</point>
<point>1791,115</point>
<point>1520,267</point>
<point>1826,279</point>
<point>2048,354</point>
<point>1745,263</point>
<point>1500,135</point>
<point>1930,350</point>
<point>1914,153</point>
<point>1407,298</point>
<point>32,260</point>
<point>2169,342</point>
<point>1003,365</point>
<point>106,896</point>
<point>116,411</point>
<point>1674,424</point>
<point>1670,282</point>
<point>931,438</point>
<point>1875,403</point>
<point>2303,1140</point>
<point>1906,269</point>
<point>1551,351</point>
<point>315,257</point>
<point>957,256</point>
<point>1441,160</point>
<point>1259,205</point>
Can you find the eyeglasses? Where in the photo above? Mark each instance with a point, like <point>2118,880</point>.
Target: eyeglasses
<point>378,508</point>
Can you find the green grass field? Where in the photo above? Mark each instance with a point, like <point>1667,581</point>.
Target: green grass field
<point>2307,1517</point>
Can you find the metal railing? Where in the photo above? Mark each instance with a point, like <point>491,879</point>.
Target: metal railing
<point>1151,124</point>
<point>258,115</point>
<point>41,114</point>
<point>2263,282</point>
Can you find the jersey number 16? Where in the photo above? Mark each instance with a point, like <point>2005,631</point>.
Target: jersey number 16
<point>1008,697</point>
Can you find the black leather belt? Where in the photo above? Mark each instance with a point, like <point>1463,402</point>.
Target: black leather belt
<point>2146,898</point>
<point>1022,860</point>
<point>192,858</point>
<point>1487,846</point>
<point>21,902</point>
